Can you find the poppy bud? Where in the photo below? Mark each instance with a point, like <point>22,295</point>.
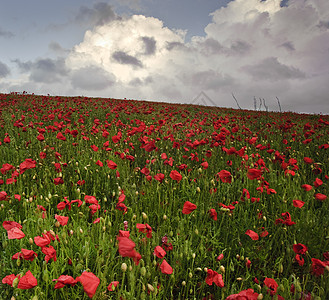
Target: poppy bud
<point>183,283</point>
<point>143,271</point>
<point>196,231</point>
<point>57,224</point>
<point>198,189</point>
<point>239,279</point>
<point>31,241</point>
<point>190,275</point>
<point>260,296</point>
<point>81,231</point>
<point>280,269</point>
<point>164,217</point>
<point>150,288</point>
<point>222,269</point>
<point>71,232</point>
<point>193,255</point>
<point>124,267</point>
<point>15,282</point>
<point>144,215</point>
<point>18,262</point>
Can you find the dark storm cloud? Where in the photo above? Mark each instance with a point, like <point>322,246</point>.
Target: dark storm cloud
<point>324,24</point>
<point>101,13</point>
<point>150,45</point>
<point>271,69</point>
<point>23,66</point>
<point>92,78</point>
<point>126,59</point>
<point>45,70</point>
<point>210,47</point>
<point>240,47</point>
<point>288,46</point>
<point>175,45</point>
<point>4,70</point>
<point>209,79</point>
<point>136,82</point>
<point>6,34</point>
<point>57,48</point>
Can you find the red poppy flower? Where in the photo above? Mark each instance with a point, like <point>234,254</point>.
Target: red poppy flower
<point>15,233</point>
<point>61,219</point>
<point>112,285</point>
<point>50,253</point>
<point>28,281</point>
<point>91,199</point>
<point>111,164</point>
<point>64,280</point>
<point>308,160</point>
<point>6,167</point>
<point>254,174</point>
<point>94,147</point>
<point>188,208</point>
<point>214,277</point>
<point>3,196</point>
<point>272,285</point>
<point>213,214</point>
<point>318,266</point>
<point>300,260</point>
<point>220,257</point>
<point>205,165</point>
<point>320,197</point>
<point>146,228</point>
<point>58,180</point>
<point>9,279</point>
<point>124,233</point>
<point>253,235</point>
<point>63,204</point>
<point>7,225</point>
<point>27,164</point>
<point>40,137</point>
<point>175,175</point>
<point>248,294</point>
<point>307,187</point>
<point>127,249</point>
<point>99,163</point>
<point>89,282</point>
<point>159,252</point>
<point>159,177</point>
<point>298,203</point>
<point>25,254</point>
<point>287,219</point>
<point>225,176</point>
<point>60,136</point>
<point>166,268</point>
<point>42,241</point>
<point>299,248</point>
<point>317,182</point>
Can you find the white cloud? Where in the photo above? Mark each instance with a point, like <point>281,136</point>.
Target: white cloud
<point>251,48</point>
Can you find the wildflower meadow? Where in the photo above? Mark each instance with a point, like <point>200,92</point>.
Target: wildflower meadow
<point>123,199</point>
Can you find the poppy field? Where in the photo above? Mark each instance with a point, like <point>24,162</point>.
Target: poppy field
<point>123,199</point>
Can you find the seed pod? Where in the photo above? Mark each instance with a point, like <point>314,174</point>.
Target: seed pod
<point>150,288</point>
<point>124,267</point>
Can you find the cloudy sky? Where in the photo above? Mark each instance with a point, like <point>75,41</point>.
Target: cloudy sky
<point>170,50</point>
